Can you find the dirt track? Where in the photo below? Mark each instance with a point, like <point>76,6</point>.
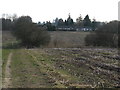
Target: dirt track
<point>7,79</point>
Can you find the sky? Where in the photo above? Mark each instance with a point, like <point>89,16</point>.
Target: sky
<point>47,10</point>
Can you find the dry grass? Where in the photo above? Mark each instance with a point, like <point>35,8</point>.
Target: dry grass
<point>7,37</point>
<point>67,39</point>
<point>58,39</point>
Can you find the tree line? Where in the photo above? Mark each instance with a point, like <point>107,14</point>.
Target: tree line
<point>7,23</point>
<point>80,22</point>
<point>108,35</point>
<point>34,34</point>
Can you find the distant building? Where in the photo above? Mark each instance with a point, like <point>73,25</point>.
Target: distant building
<point>73,28</point>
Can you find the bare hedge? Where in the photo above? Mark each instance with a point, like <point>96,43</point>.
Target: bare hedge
<point>106,36</point>
<point>29,33</point>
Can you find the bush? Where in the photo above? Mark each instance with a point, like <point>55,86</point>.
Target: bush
<point>30,34</point>
<point>90,39</point>
<point>107,35</point>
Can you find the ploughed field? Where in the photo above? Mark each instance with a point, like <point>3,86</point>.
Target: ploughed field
<point>63,67</point>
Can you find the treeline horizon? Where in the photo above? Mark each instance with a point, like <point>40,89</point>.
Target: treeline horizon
<point>80,22</point>
<point>36,34</point>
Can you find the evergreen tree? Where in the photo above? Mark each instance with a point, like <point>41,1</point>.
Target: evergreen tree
<point>87,21</point>
<point>70,21</point>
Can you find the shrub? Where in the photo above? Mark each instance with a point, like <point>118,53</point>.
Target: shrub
<point>107,35</point>
<point>90,39</point>
<point>29,33</point>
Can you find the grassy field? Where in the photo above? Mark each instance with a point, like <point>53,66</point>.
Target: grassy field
<point>58,39</point>
<point>5,53</point>
<point>67,39</point>
<point>62,67</point>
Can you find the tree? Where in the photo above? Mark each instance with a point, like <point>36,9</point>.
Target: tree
<point>87,21</point>
<point>66,23</point>
<point>70,21</point>
<point>14,17</point>
<point>30,34</point>
<point>60,22</point>
<point>56,21</point>
<point>107,35</point>
<point>3,24</point>
<point>6,24</point>
<point>50,27</point>
<point>79,21</point>
<point>94,24</point>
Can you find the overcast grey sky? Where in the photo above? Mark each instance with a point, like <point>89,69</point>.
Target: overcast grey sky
<point>45,10</point>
